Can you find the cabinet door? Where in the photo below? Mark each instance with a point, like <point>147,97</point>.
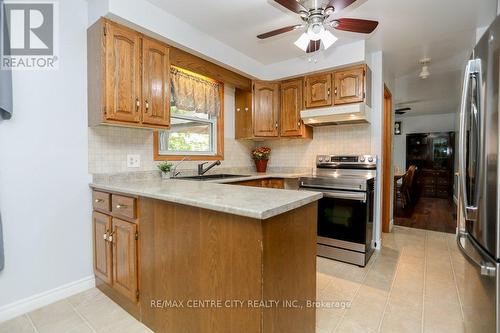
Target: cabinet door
<point>125,258</point>
<point>155,83</point>
<point>243,116</point>
<point>122,74</point>
<point>266,109</point>
<point>101,227</point>
<point>291,104</point>
<point>349,86</point>
<point>318,90</point>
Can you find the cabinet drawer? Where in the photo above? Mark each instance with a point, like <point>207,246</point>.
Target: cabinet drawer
<point>124,206</point>
<point>101,201</point>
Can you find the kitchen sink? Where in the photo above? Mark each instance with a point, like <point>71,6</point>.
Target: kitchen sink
<point>212,177</point>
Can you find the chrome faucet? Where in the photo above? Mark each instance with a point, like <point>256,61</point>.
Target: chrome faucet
<point>202,170</point>
<point>174,169</point>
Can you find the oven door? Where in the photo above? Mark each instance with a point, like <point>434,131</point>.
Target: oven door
<point>344,215</point>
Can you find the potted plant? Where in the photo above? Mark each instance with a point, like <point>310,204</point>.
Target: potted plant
<point>261,155</point>
<point>165,168</point>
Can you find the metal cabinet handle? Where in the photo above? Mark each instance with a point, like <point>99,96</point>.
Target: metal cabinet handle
<point>328,92</point>
<point>146,103</point>
<point>110,236</point>
<point>335,91</point>
<point>98,200</point>
<point>119,206</point>
<point>276,125</point>
<point>137,104</point>
<point>298,123</point>
<point>105,236</point>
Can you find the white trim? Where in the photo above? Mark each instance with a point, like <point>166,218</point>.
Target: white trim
<point>379,244</point>
<point>455,199</point>
<point>34,302</point>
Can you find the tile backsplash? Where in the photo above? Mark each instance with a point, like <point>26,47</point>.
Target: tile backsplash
<point>340,139</point>
<point>109,146</point>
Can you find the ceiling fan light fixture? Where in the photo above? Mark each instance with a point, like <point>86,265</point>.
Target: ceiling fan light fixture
<point>303,42</point>
<point>328,39</point>
<point>315,31</point>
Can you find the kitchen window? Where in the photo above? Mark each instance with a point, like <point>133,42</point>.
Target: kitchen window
<point>196,116</point>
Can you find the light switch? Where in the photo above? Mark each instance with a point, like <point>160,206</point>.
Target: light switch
<point>133,161</point>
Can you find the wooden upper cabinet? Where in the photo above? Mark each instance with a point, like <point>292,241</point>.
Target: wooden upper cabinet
<point>318,90</point>
<point>155,83</point>
<point>128,77</point>
<point>125,270</point>
<point>243,114</point>
<point>291,105</point>
<point>266,109</point>
<point>101,227</point>
<point>349,85</point>
<point>122,74</point>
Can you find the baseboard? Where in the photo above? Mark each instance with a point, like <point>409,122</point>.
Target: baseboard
<point>34,302</point>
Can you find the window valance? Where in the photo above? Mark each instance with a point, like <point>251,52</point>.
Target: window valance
<point>193,93</point>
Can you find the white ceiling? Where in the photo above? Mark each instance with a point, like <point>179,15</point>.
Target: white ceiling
<point>444,30</point>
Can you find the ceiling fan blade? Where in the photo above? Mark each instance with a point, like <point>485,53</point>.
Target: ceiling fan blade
<point>340,4</point>
<point>279,31</point>
<point>355,25</point>
<point>292,5</point>
<point>314,46</point>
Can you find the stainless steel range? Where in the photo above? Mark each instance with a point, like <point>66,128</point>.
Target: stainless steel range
<point>345,213</point>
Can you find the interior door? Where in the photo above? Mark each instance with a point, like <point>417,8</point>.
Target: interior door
<point>349,86</point>
<point>291,104</point>
<point>101,227</point>
<point>266,109</point>
<point>123,74</point>
<point>318,90</point>
<point>125,276</point>
<point>155,83</point>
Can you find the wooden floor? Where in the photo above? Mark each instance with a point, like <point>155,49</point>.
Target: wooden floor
<point>429,214</point>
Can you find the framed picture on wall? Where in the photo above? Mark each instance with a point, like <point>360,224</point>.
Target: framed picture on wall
<point>397,128</point>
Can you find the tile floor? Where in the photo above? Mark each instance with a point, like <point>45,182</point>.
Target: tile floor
<point>408,286</point>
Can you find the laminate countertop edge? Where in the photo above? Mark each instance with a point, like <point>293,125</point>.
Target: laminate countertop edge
<point>253,202</point>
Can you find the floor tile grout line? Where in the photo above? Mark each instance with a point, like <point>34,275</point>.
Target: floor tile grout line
<point>426,249</point>
<point>82,317</point>
<point>455,281</point>
<point>361,283</point>
<point>379,328</point>
<point>31,323</point>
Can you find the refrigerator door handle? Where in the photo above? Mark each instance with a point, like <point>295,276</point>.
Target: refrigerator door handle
<point>485,268</point>
<point>472,71</point>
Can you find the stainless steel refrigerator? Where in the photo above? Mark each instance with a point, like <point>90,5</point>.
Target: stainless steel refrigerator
<point>477,270</point>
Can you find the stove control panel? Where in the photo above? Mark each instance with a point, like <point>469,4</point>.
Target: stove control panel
<point>350,161</point>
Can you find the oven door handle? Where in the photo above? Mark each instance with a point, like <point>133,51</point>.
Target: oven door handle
<point>358,196</point>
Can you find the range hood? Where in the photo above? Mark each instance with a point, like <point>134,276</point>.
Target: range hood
<point>345,114</point>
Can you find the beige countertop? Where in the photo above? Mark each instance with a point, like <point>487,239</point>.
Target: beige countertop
<point>254,202</point>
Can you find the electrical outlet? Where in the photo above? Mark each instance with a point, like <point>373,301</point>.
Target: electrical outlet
<point>133,161</point>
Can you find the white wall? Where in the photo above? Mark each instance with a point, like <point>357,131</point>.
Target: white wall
<point>44,193</point>
<point>420,124</point>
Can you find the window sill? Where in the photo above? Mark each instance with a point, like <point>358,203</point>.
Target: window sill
<point>189,157</point>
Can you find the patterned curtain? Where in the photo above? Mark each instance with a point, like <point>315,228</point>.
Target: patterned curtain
<point>192,93</point>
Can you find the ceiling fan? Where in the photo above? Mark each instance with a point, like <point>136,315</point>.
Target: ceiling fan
<point>318,21</point>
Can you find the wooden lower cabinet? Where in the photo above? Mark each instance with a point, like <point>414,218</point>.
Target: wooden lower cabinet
<point>278,183</point>
<point>125,273</point>
<point>115,247</point>
<point>101,226</point>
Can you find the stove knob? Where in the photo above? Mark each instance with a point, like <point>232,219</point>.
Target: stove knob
<point>370,159</point>
<point>362,159</point>
<point>321,159</point>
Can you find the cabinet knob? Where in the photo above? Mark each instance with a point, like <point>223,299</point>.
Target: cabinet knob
<point>146,103</point>
<point>276,125</point>
<point>328,92</point>
<point>110,237</point>
<point>105,236</point>
<point>238,109</point>
<point>246,109</point>
<point>298,123</point>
